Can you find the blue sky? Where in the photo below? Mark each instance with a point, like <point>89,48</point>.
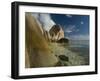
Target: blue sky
<point>74,26</point>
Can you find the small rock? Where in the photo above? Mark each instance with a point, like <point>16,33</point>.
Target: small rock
<point>63,58</point>
<point>63,40</point>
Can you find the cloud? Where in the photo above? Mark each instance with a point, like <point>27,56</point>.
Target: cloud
<point>77,30</point>
<point>82,22</point>
<point>79,37</point>
<point>70,28</point>
<point>45,20</point>
<point>69,16</point>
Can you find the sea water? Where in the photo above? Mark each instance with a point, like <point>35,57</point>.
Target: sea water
<point>80,47</point>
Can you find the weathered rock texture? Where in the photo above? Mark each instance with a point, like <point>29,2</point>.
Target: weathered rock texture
<point>56,33</point>
<point>37,52</point>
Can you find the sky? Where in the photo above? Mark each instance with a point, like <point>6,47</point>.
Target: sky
<point>76,27</point>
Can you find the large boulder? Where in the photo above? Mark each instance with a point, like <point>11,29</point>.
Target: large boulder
<point>56,33</point>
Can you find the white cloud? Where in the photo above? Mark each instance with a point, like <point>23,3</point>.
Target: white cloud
<point>82,22</point>
<point>45,20</point>
<point>77,30</point>
<point>79,37</point>
<point>68,15</point>
<point>70,28</point>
